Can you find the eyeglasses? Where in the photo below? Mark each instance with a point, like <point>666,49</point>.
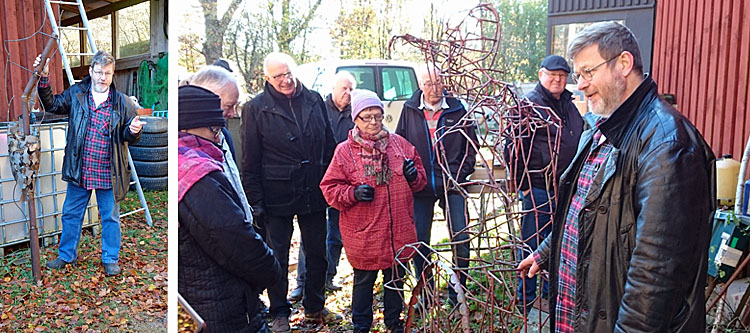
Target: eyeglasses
<point>554,75</point>
<point>283,75</point>
<point>215,130</point>
<point>433,84</point>
<point>105,74</point>
<point>588,74</point>
<point>367,119</point>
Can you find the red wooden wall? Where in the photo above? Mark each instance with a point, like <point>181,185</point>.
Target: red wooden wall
<point>20,19</point>
<point>702,55</point>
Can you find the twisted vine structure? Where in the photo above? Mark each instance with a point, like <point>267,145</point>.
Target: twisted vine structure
<point>505,125</point>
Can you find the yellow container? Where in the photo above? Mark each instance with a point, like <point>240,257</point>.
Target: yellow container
<point>727,171</point>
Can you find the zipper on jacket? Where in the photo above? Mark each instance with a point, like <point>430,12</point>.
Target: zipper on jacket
<point>432,157</point>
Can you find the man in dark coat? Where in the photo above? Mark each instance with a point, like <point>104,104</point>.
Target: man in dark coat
<point>433,123</point>
<point>287,146</point>
<point>223,262</point>
<point>537,188</point>
<point>101,121</point>
<point>629,245</point>
<point>338,105</point>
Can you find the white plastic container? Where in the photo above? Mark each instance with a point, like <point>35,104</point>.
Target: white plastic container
<point>49,192</point>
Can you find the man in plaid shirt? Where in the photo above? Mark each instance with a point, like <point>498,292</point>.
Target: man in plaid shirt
<point>629,245</point>
<point>101,120</point>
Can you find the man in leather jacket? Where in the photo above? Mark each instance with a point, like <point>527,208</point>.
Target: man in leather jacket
<point>101,121</point>
<point>287,146</point>
<point>629,246</point>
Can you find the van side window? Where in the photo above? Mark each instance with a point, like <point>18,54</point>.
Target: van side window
<point>399,83</point>
<point>365,76</point>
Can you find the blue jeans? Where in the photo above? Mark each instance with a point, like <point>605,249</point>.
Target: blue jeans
<point>531,224</point>
<point>364,282</point>
<point>311,228</point>
<point>333,249</point>
<point>76,200</point>
<point>456,214</point>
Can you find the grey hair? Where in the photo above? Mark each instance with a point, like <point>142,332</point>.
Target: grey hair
<point>102,58</point>
<point>429,68</point>
<point>278,57</point>
<point>612,38</point>
<point>213,78</point>
<point>344,75</point>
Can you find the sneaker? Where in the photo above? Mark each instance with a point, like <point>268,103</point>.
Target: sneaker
<point>330,286</point>
<point>324,316</point>
<point>281,325</point>
<point>296,294</point>
<point>59,263</point>
<point>111,268</point>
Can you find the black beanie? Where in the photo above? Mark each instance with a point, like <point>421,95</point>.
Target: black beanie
<point>198,107</point>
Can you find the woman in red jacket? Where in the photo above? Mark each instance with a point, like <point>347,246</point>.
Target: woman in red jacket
<point>371,180</point>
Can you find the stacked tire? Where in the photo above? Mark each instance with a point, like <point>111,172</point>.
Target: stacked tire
<point>150,154</point>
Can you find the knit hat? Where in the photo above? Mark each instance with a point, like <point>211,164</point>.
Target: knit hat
<point>363,99</point>
<point>198,107</point>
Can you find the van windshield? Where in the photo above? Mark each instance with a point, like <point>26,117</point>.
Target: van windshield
<point>391,83</point>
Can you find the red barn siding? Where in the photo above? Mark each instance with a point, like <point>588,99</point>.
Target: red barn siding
<point>20,20</point>
<point>702,55</point>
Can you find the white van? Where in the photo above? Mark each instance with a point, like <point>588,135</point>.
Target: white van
<point>393,81</point>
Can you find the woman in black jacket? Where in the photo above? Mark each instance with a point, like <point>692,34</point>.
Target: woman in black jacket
<point>223,262</point>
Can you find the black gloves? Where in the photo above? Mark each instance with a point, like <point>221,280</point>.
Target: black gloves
<point>258,213</point>
<point>410,171</point>
<point>364,193</point>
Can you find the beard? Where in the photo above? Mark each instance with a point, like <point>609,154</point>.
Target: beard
<point>611,96</point>
<point>100,88</point>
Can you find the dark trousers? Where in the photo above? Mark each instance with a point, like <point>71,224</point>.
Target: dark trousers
<point>313,231</point>
<point>456,215</point>
<point>333,249</point>
<point>533,232</point>
<point>364,282</point>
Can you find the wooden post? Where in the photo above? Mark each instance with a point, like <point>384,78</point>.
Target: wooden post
<point>29,195</point>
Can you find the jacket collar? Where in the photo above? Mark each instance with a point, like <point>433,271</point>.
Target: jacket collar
<point>564,96</point>
<point>345,113</point>
<point>301,97</point>
<point>617,125</point>
<point>416,100</point>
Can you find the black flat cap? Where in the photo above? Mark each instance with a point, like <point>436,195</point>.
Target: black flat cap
<point>555,62</point>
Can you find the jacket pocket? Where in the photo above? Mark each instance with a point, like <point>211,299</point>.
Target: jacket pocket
<point>627,234</point>
<point>278,185</point>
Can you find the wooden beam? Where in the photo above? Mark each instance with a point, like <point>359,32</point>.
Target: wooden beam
<point>69,8</point>
<point>102,11</point>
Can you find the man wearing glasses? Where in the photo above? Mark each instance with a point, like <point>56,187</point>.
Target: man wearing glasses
<point>537,190</point>
<point>628,248</point>
<point>433,123</point>
<point>287,146</point>
<point>101,120</point>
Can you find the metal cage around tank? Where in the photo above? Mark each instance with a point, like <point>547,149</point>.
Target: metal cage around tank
<point>49,190</point>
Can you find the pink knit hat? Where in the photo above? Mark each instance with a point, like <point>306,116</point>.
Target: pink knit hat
<point>363,99</point>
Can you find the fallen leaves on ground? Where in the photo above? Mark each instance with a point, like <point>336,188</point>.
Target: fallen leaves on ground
<point>82,298</point>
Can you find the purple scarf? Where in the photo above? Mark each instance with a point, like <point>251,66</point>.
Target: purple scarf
<point>196,157</point>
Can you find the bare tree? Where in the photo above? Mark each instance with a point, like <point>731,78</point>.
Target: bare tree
<point>216,27</point>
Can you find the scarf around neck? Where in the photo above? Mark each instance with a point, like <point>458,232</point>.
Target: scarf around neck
<point>374,156</point>
<point>196,157</point>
